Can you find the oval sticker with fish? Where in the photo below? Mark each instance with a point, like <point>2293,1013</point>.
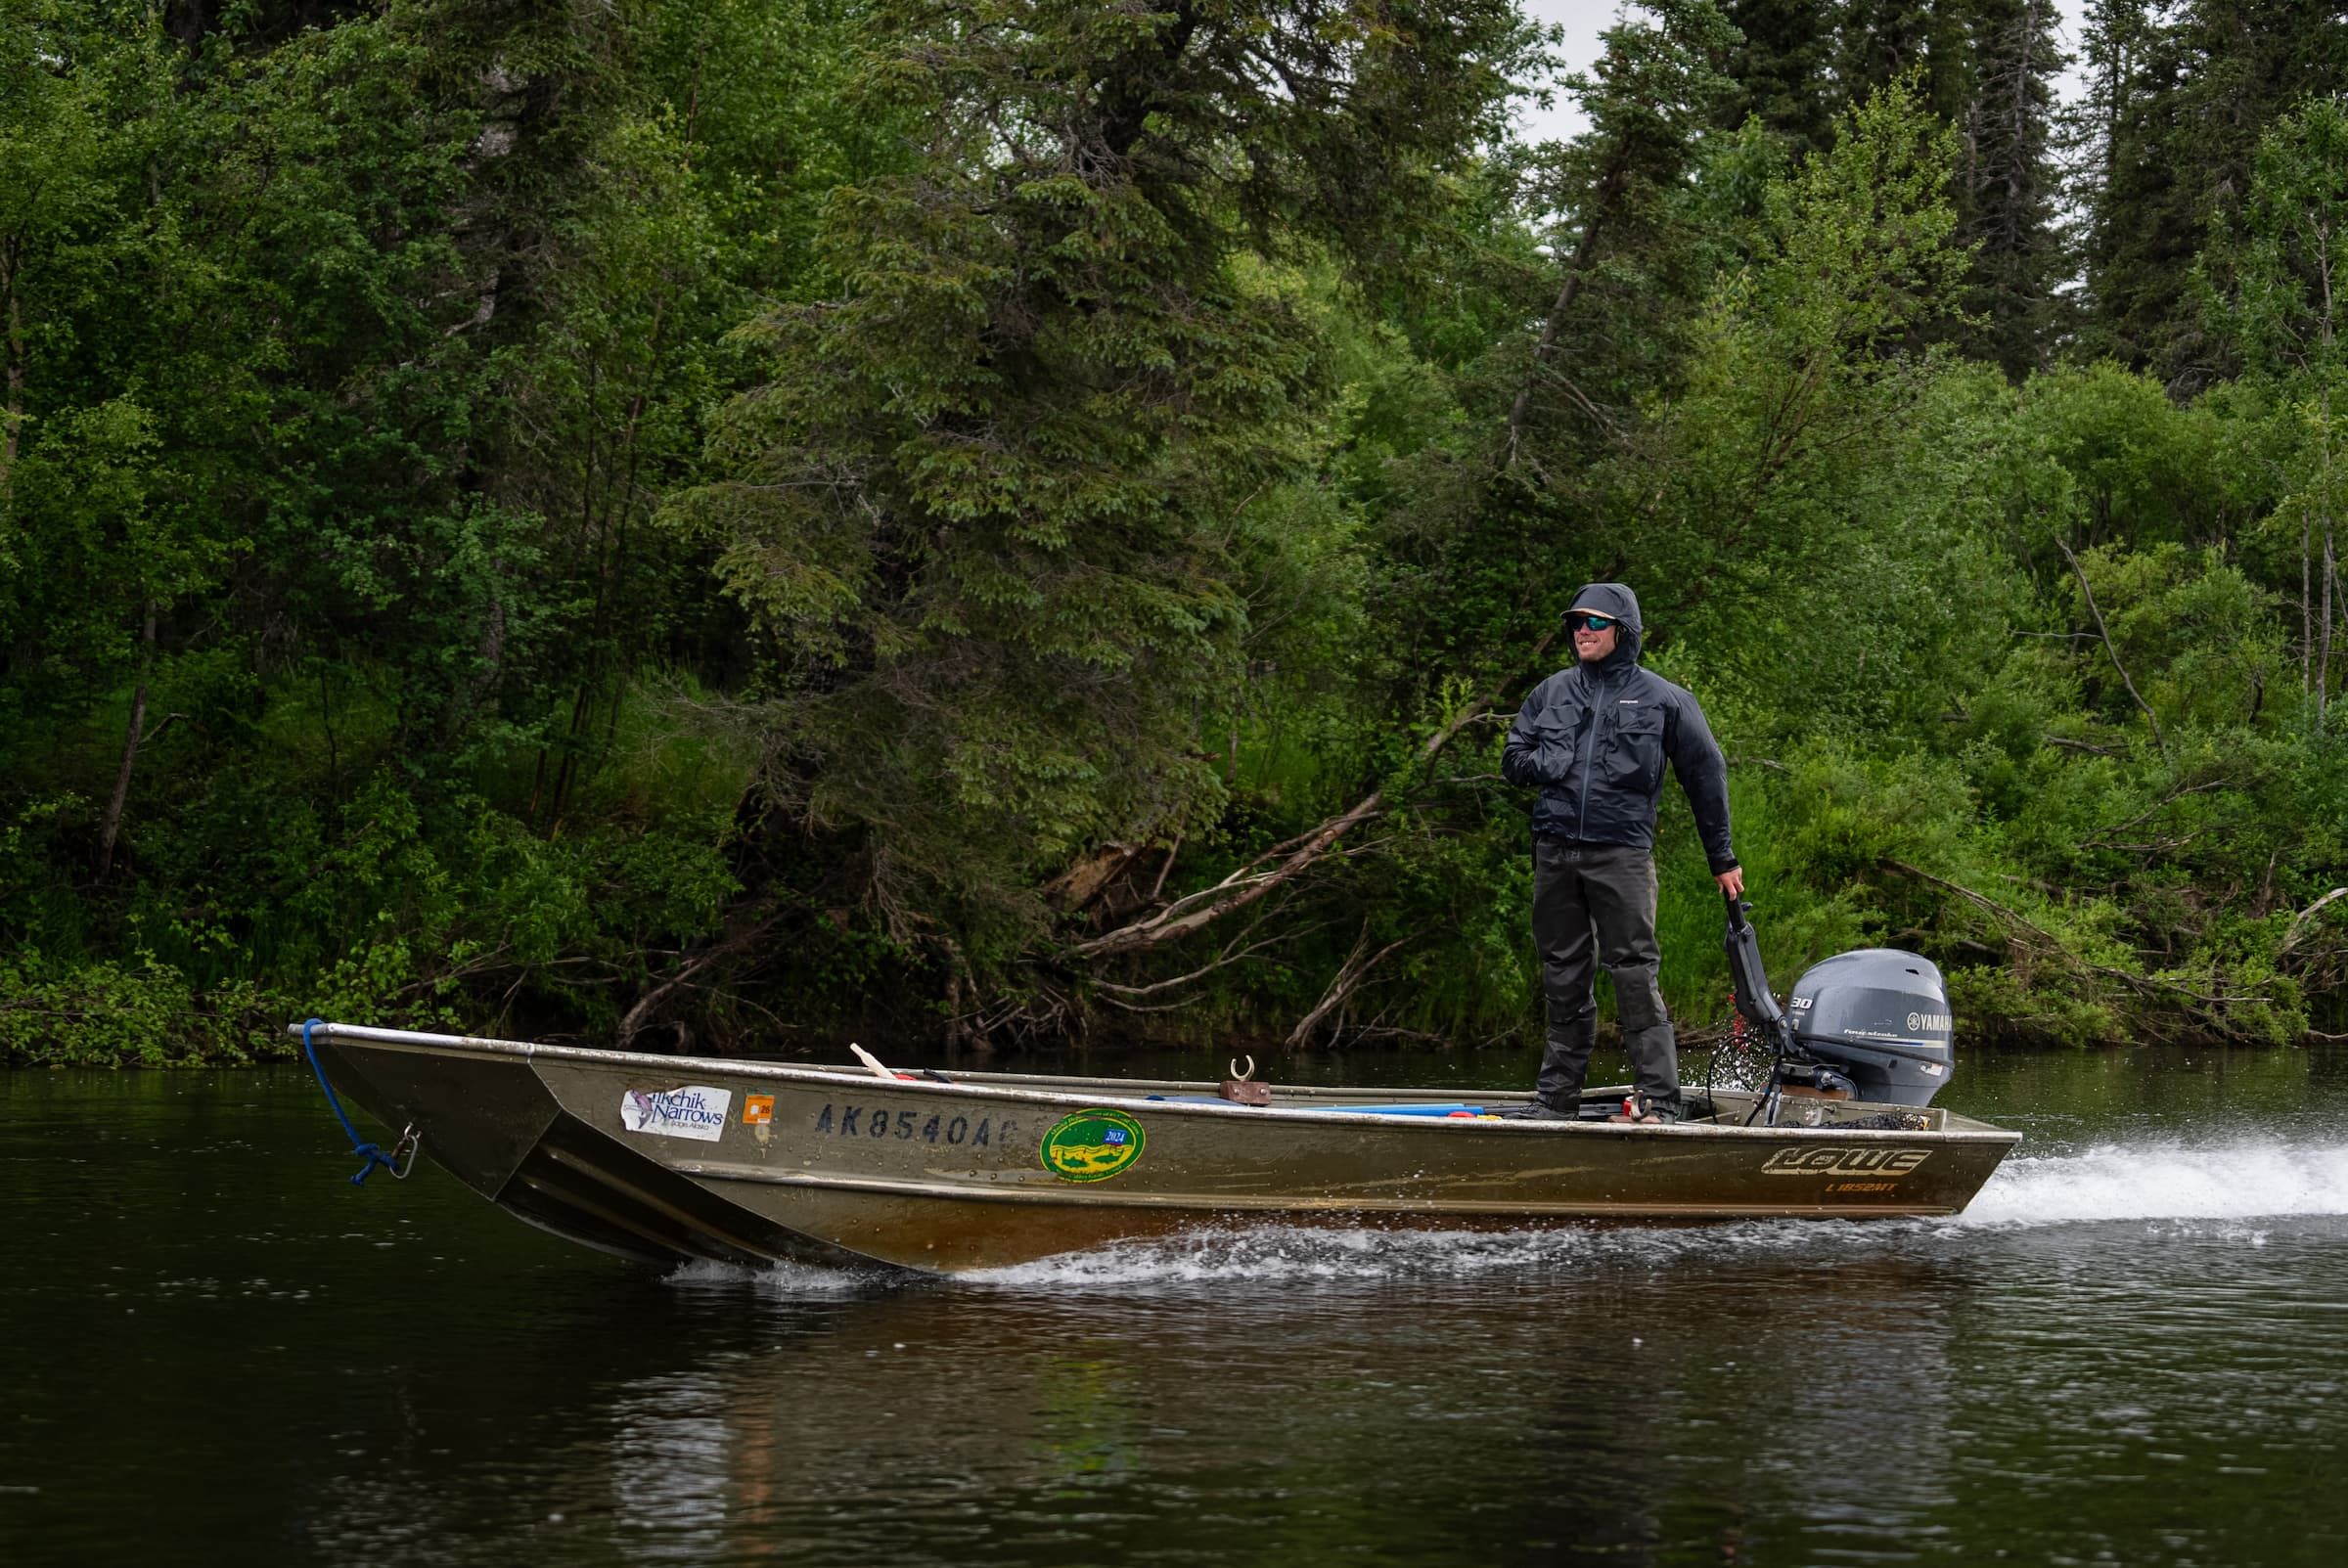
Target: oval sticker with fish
<point>1091,1145</point>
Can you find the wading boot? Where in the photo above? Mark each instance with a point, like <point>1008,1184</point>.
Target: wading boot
<point>1558,1091</point>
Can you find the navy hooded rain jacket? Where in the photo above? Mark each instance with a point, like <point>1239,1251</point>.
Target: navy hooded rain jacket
<point>1594,739</point>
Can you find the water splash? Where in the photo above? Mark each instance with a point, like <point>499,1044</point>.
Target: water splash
<point>789,1282</point>
<point>2207,1189</point>
<point>1274,1254</point>
<point>2240,1181</point>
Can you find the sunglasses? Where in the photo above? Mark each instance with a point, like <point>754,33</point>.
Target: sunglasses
<point>1589,623</point>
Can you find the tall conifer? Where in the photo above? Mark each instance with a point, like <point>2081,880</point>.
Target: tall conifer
<point>984,504</point>
<point>2183,104</point>
<point>2008,180</point>
<point>1783,70</point>
<point>1880,41</point>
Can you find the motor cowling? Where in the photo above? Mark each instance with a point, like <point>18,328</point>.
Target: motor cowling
<point>1881,1017</point>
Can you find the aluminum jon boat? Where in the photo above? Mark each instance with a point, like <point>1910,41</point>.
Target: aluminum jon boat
<point>670,1158</point>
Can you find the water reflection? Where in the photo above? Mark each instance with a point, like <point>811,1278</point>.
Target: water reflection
<point>673,1458</point>
<point>2133,1353</point>
<point>1593,1405</point>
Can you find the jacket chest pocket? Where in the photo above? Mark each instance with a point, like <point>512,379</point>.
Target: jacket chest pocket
<point>1556,739</point>
<point>1634,748</point>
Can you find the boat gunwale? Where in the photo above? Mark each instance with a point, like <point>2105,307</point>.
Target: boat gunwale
<point>1128,1091</point>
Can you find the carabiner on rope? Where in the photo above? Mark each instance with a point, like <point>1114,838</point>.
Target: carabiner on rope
<point>411,1144</point>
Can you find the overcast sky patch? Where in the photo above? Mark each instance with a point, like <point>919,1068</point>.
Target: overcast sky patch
<point>1584,19</point>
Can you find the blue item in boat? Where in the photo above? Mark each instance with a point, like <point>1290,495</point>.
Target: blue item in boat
<point>1454,1107</point>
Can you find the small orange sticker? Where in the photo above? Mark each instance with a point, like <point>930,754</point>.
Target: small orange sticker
<point>758,1110</point>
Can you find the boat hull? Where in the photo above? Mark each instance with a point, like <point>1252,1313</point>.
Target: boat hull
<point>666,1158</point>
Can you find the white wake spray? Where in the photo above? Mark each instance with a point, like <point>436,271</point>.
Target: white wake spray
<point>788,1280</point>
<point>2238,1180</point>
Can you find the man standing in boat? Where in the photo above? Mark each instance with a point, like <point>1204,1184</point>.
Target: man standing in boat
<point>1594,739</point>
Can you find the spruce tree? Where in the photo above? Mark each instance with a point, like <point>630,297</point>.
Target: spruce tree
<point>983,506</point>
<point>2184,105</point>
<point>1881,41</point>
<point>2008,182</point>
<point>1629,242</point>
<point>2275,281</point>
<point>1632,246</point>
<point>1783,70</point>
<point>2113,35</point>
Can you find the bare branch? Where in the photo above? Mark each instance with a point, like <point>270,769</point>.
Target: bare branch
<point>2104,632</point>
<point>639,1016</point>
<point>1347,980</point>
<point>2176,794</point>
<point>2057,948</point>
<point>2298,925</point>
<point>1583,253</point>
<point>1246,884</point>
<point>1159,887</point>
<point>168,720</point>
<point>1223,960</point>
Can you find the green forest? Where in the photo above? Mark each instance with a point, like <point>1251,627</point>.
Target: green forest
<point>715,525</point>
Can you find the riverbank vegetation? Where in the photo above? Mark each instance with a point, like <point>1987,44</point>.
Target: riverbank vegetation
<point>712,525</point>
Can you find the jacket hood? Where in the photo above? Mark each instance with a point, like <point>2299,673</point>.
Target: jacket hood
<point>1615,599</point>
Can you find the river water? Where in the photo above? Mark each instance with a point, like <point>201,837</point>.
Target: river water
<point>2134,1349</point>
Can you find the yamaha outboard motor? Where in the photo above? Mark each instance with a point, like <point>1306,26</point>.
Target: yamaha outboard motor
<point>1874,1024</point>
